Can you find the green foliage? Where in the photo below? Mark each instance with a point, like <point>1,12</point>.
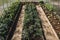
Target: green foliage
<point>49,7</point>
<point>32,23</point>
<point>7,18</point>
<point>41,2</point>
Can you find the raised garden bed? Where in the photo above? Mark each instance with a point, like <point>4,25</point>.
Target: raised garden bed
<point>30,27</point>
<point>52,16</point>
<point>7,20</point>
<point>13,26</point>
<point>32,24</point>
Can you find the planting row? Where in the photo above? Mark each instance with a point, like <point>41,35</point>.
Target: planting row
<point>32,27</point>
<point>7,19</point>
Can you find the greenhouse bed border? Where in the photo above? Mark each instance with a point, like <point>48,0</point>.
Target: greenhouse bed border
<point>13,26</point>
<point>46,27</point>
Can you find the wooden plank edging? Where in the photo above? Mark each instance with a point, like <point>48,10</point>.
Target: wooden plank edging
<point>18,32</point>
<point>49,32</point>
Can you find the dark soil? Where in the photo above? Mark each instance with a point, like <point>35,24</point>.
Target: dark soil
<point>51,15</point>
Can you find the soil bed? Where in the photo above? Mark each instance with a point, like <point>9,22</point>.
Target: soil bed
<point>51,15</point>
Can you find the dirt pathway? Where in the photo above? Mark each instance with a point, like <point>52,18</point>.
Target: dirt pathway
<point>18,31</point>
<point>47,27</point>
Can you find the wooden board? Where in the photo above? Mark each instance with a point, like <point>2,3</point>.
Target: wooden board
<point>49,32</point>
<point>18,32</point>
<point>29,0</point>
